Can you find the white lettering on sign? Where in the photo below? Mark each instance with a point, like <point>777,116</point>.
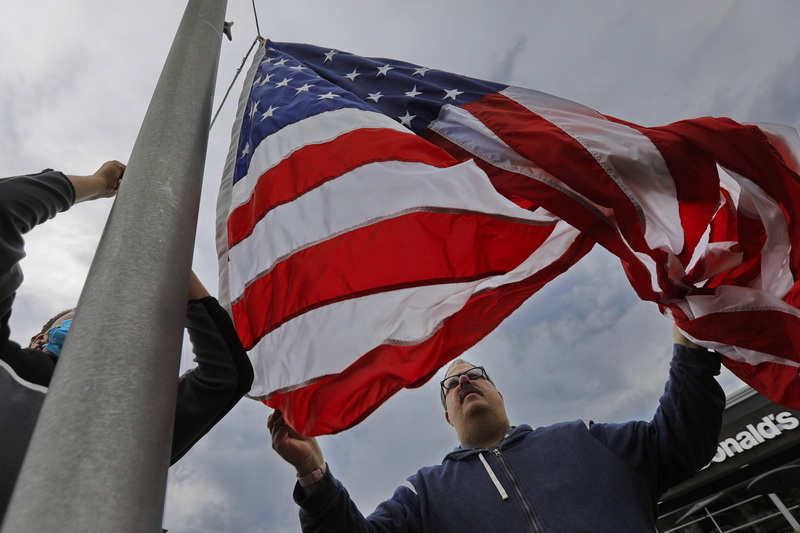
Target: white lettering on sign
<point>770,427</point>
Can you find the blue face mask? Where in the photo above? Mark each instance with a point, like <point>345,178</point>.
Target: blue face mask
<point>57,336</point>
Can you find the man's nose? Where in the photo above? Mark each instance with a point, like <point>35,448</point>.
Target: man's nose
<point>463,379</point>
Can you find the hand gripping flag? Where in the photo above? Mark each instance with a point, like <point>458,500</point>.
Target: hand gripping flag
<point>378,218</point>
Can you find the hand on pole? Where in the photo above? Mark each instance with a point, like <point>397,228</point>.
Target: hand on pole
<point>102,184</point>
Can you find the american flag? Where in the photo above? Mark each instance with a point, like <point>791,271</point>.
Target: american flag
<point>377,218</point>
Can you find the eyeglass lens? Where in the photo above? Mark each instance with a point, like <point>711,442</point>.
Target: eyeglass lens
<point>472,373</point>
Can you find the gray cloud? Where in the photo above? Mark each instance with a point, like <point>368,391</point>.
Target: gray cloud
<point>505,68</point>
<point>776,96</point>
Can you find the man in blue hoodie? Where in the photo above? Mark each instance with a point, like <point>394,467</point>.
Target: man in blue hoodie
<point>565,478</point>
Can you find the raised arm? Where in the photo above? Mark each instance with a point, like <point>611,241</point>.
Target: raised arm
<point>27,201</point>
<point>325,505</point>
<point>682,437</point>
<point>222,376</point>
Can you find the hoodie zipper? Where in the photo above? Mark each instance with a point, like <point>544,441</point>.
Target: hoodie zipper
<point>525,504</point>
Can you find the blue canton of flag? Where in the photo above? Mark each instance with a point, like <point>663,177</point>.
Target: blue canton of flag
<point>300,80</point>
<point>411,94</point>
<point>294,92</point>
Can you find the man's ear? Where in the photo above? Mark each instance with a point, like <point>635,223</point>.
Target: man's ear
<point>447,417</point>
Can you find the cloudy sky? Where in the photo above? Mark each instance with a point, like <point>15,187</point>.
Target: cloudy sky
<point>77,79</point>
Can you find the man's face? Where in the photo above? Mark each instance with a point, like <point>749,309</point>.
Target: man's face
<point>472,401</point>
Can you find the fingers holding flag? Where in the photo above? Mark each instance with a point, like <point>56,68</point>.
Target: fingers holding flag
<point>301,452</point>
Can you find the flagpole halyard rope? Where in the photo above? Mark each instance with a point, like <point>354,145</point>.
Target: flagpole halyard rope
<point>258,39</point>
<point>255,15</point>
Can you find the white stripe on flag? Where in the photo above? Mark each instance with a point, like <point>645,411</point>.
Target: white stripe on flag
<point>316,129</point>
<point>460,127</point>
<point>776,274</point>
<point>363,196</point>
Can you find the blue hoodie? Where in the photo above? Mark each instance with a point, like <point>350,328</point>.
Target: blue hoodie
<point>565,478</point>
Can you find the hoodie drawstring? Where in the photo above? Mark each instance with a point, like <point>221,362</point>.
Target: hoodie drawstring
<point>500,489</point>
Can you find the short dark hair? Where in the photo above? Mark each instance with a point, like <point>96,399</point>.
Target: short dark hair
<point>455,362</point>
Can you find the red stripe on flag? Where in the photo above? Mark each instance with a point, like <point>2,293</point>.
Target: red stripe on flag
<point>559,154</point>
<point>779,383</point>
<point>762,330</point>
<point>446,247</point>
<point>793,296</point>
<point>529,193</point>
<point>694,174</point>
<point>341,401</point>
<point>311,166</point>
<point>746,151</point>
<point>751,236</point>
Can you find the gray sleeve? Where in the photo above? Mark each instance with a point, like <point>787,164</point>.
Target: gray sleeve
<point>25,202</point>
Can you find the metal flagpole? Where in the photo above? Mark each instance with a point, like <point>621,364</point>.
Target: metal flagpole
<point>100,452</point>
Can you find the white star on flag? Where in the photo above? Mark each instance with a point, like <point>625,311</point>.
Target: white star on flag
<point>269,112</point>
<point>452,94</point>
<point>303,89</point>
<point>384,69</point>
<point>413,92</point>
<point>254,109</point>
<point>406,120</point>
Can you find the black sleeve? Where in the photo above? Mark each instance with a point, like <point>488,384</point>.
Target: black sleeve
<point>25,202</point>
<point>222,376</point>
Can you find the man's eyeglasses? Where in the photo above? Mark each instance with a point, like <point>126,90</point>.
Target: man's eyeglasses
<point>473,373</point>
